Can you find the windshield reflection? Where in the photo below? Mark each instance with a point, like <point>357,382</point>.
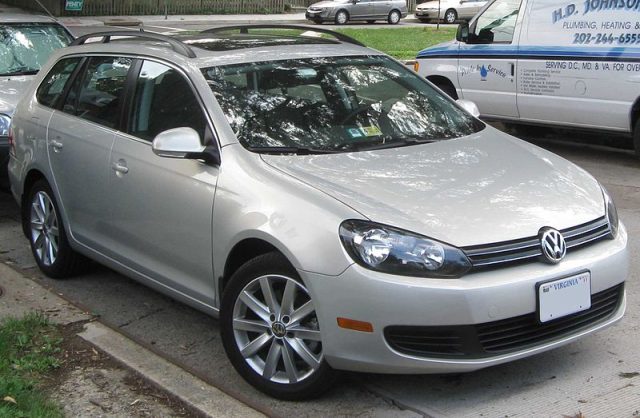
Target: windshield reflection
<point>333,104</point>
<point>24,48</point>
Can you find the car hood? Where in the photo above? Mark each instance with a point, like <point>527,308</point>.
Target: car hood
<point>11,90</point>
<point>484,188</point>
<point>327,3</point>
<point>447,48</point>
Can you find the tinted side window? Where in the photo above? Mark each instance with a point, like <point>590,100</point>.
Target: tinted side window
<point>53,85</point>
<point>97,94</point>
<point>164,100</point>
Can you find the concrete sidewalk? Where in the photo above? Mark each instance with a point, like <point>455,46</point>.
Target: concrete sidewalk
<point>20,295</point>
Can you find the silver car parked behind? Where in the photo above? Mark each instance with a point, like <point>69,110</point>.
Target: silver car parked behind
<point>343,11</point>
<point>333,208</point>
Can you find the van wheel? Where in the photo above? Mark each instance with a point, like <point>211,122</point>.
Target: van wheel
<point>47,236</point>
<point>636,138</point>
<point>342,17</point>
<point>450,16</point>
<point>270,330</point>
<point>394,17</point>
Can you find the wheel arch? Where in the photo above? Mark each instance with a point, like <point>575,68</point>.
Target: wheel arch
<point>634,115</point>
<point>33,176</point>
<point>243,251</point>
<point>440,80</point>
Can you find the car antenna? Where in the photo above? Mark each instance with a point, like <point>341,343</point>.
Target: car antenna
<point>47,10</point>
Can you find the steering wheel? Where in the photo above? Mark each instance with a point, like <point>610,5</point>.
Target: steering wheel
<point>354,113</point>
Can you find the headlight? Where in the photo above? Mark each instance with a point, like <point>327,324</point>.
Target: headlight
<point>391,250</point>
<point>612,212</point>
<point>5,124</point>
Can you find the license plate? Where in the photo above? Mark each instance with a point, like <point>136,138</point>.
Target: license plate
<point>563,297</point>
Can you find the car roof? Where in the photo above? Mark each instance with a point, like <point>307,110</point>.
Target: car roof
<point>24,18</point>
<point>211,49</point>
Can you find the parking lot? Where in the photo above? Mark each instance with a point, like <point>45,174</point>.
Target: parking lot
<point>597,376</point>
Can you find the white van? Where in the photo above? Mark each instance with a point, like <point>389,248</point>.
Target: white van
<point>572,64</point>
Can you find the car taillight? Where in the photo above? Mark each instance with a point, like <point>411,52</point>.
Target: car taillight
<point>12,143</point>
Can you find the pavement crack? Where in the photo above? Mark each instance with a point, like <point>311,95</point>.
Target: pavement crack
<point>146,315</point>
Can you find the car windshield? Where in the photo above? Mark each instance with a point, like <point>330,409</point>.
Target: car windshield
<point>25,47</point>
<point>333,104</point>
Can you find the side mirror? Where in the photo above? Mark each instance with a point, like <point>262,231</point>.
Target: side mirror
<point>469,106</point>
<point>462,35</point>
<point>182,143</point>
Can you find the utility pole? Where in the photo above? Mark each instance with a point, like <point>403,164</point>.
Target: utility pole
<point>438,20</point>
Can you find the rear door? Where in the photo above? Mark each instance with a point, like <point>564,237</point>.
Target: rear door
<point>79,140</point>
<point>487,63</point>
<point>363,9</point>
<point>161,223</point>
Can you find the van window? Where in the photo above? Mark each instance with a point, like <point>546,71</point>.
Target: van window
<point>97,94</point>
<point>497,23</point>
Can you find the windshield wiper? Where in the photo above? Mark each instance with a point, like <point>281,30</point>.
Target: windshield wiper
<point>291,150</point>
<point>28,71</point>
<point>395,143</point>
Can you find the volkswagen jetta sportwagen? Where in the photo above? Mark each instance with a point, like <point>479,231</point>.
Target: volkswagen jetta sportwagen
<point>334,209</point>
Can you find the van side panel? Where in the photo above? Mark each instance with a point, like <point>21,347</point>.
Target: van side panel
<point>579,63</point>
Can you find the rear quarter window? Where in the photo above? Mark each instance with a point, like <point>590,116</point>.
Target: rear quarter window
<point>53,85</point>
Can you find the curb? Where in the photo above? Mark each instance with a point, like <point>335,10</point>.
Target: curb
<point>21,294</point>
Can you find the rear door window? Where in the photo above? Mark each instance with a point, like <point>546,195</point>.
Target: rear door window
<point>53,85</point>
<point>97,93</point>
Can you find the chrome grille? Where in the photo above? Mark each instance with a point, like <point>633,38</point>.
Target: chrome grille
<point>493,255</point>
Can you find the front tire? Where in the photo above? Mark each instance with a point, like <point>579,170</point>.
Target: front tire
<point>342,17</point>
<point>394,17</point>
<point>450,16</point>
<point>47,236</point>
<point>270,330</point>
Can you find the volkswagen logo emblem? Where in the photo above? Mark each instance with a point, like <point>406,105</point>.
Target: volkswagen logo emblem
<point>279,329</point>
<point>554,248</point>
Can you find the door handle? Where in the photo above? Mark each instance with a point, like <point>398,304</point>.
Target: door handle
<point>120,167</point>
<point>57,145</point>
<point>513,69</point>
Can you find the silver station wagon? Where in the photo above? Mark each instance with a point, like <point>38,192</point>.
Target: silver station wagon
<point>343,11</point>
<point>334,209</point>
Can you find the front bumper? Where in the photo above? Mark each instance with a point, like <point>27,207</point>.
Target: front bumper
<point>427,14</point>
<point>317,16</point>
<point>387,300</point>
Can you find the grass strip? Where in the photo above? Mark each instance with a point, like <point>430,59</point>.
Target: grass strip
<point>400,43</point>
<point>28,350</point>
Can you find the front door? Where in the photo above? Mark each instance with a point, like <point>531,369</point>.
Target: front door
<point>487,63</point>
<point>161,207</point>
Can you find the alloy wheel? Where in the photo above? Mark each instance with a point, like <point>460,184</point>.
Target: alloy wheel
<point>45,234</point>
<point>276,330</point>
<point>450,16</point>
<point>394,17</point>
<point>342,18</point>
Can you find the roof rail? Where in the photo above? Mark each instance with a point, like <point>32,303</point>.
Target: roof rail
<point>245,29</point>
<point>176,45</point>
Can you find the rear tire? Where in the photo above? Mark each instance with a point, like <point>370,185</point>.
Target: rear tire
<point>342,17</point>
<point>270,330</point>
<point>47,235</point>
<point>394,17</point>
<point>450,16</point>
